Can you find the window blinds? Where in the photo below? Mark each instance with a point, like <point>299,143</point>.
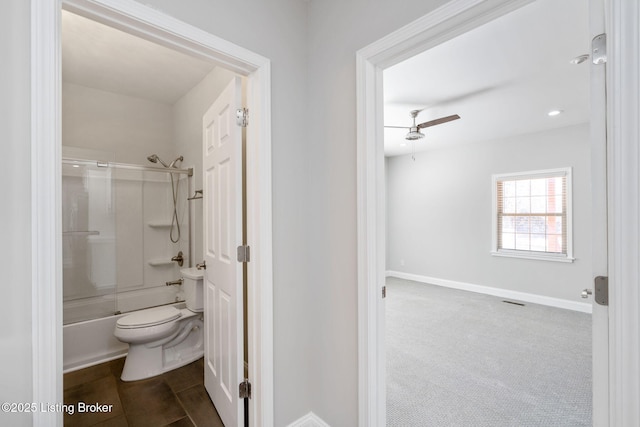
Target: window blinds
<point>532,213</point>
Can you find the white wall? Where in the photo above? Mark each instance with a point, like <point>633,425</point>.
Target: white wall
<point>131,128</point>
<point>15,217</point>
<point>439,213</point>
<point>337,29</point>
<point>187,115</point>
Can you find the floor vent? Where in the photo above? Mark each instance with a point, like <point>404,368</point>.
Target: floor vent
<point>514,303</point>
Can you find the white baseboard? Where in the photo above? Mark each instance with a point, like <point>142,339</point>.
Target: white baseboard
<point>502,293</point>
<point>309,420</point>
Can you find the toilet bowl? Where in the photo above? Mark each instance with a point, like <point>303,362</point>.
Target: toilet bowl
<point>164,338</point>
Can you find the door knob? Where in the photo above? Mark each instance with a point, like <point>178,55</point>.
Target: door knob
<point>585,293</point>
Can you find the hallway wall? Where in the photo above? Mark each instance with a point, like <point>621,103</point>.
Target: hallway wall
<point>15,216</point>
<point>337,30</point>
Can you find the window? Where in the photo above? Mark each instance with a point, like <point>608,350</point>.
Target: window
<point>532,215</point>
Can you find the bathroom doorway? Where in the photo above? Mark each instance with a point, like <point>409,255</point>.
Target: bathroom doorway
<point>154,26</point>
<point>131,166</point>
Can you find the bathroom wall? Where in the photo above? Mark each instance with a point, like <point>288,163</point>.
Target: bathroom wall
<point>128,127</point>
<point>187,115</point>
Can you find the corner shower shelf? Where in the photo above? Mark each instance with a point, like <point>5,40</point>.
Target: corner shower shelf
<point>158,224</point>
<point>159,262</point>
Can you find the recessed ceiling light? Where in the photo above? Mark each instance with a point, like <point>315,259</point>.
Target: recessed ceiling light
<point>579,59</point>
<point>76,166</point>
<point>554,113</point>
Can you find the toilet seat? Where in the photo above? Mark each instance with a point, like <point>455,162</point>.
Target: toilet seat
<point>149,317</point>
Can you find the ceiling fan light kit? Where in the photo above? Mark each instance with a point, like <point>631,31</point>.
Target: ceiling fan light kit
<point>413,134</point>
<point>414,131</point>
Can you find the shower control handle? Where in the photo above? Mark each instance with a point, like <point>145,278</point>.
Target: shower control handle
<point>202,265</point>
<point>179,259</point>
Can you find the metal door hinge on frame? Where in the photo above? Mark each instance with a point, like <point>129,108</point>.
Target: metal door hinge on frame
<point>601,294</point>
<point>242,117</point>
<point>244,253</point>
<point>384,292</point>
<point>599,49</point>
<point>245,389</point>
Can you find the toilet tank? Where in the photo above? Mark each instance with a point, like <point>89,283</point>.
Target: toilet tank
<point>192,287</point>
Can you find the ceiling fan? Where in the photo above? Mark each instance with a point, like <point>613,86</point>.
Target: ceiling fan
<point>414,131</point>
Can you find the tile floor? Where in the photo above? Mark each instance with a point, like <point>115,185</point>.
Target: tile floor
<point>176,398</point>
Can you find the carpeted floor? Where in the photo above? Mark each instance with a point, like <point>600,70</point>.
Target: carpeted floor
<point>457,358</point>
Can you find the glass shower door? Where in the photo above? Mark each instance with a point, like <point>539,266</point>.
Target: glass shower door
<point>88,239</point>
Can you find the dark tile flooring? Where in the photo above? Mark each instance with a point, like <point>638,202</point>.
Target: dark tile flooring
<point>177,398</point>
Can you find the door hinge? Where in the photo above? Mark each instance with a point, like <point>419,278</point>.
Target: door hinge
<point>242,117</point>
<point>599,49</point>
<point>601,294</point>
<point>244,253</point>
<point>384,292</point>
<point>245,389</point>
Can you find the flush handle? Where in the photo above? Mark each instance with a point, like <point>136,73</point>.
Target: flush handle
<point>202,265</point>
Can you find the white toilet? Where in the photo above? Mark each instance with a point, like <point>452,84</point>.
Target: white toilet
<point>164,338</point>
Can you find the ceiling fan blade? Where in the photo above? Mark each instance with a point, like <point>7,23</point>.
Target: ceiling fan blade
<point>438,121</point>
<point>398,127</point>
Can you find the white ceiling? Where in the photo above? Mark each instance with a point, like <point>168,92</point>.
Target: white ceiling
<point>501,78</point>
<point>101,57</point>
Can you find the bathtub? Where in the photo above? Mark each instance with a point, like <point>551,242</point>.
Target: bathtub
<point>91,342</point>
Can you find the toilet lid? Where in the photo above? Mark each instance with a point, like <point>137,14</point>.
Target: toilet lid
<point>149,317</point>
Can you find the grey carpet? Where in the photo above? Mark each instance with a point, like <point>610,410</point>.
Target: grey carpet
<point>457,358</point>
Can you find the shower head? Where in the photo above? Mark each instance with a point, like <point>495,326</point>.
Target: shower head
<point>155,159</point>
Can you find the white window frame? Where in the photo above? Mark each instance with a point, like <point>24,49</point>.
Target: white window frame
<point>513,253</point>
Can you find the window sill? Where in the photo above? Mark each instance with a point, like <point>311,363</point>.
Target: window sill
<point>530,255</point>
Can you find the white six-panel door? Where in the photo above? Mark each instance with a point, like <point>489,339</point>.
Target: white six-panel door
<point>222,179</point>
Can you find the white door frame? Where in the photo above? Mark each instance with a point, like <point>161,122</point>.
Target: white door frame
<point>145,22</point>
<point>446,22</point>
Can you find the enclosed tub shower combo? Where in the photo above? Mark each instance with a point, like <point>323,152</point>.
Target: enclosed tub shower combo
<point>126,236</point>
